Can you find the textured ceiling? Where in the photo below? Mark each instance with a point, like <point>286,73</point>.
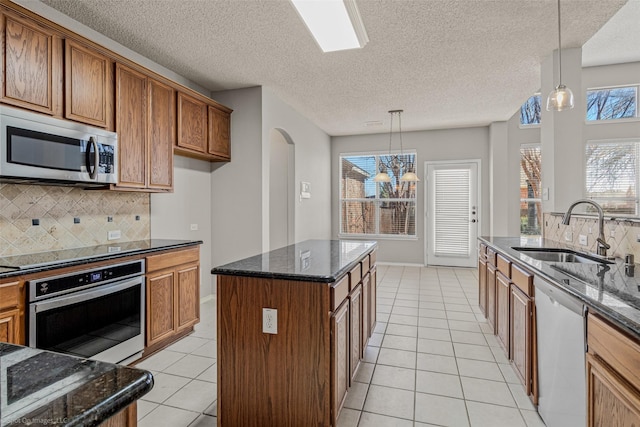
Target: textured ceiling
<point>447,63</point>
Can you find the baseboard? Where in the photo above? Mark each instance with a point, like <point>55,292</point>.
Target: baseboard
<point>400,264</point>
<point>207,298</point>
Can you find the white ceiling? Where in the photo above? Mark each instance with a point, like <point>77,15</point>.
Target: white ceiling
<point>447,63</point>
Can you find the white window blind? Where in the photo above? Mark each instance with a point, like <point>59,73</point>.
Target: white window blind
<point>452,207</point>
<point>612,175</point>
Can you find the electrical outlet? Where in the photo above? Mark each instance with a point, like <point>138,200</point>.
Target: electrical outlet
<point>269,321</point>
<point>612,233</point>
<point>582,239</point>
<point>113,234</point>
<point>568,236</point>
<point>193,227</point>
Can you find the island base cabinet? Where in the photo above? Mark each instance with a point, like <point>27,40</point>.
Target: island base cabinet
<point>125,418</point>
<point>280,379</point>
<point>613,402</point>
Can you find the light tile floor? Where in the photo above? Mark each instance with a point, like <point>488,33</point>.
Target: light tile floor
<point>432,361</point>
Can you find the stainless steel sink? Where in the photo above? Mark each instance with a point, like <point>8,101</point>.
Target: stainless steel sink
<point>560,255</point>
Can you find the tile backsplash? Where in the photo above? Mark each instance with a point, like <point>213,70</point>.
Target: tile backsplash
<point>68,217</point>
<point>621,234</point>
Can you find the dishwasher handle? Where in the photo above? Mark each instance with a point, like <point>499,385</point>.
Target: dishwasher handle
<point>557,295</point>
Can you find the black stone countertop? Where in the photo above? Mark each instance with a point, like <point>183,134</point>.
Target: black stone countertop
<point>612,290</point>
<point>39,387</point>
<point>42,261</point>
<point>310,261</point>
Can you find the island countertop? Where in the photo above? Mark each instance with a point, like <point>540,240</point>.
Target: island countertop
<point>39,387</point>
<point>310,261</point>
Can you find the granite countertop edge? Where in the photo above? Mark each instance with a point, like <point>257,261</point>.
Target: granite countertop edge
<point>71,263</point>
<point>115,403</point>
<point>330,278</point>
<point>631,326</point>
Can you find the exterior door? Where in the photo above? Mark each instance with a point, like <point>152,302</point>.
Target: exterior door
<point>452,213</point>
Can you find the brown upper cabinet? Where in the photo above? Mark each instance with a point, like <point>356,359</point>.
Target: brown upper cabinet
<point>88,85</point>
<point>192,123</point>
<point>145,122</point>
<point>32,65</point>
<point>219,133</point>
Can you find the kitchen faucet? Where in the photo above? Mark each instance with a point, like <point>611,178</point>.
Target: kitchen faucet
<point>602,244</point>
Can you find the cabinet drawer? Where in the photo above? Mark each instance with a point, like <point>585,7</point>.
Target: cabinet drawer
<point>355,276</point>
<point>172,259</point>
<point>617,349</point>
<point>482,251</point>
<point>373,258</point>
<point>504,266</point>
<point>365,265</point>
<point>339,291</point>
<point>9,295</point>
<point>522,279</point>
<point>491,256</point>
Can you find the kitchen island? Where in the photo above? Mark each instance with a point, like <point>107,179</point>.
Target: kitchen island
<point>39,387</point>
<point>292,327</point>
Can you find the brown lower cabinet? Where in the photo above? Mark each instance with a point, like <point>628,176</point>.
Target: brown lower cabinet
<point>356,322</point>
<point>12,306</point>
<point>502,310</point>
<point>173,296</point>
<point>340,358</point>
<point>491,296</point>
<point>613,375</point>
<point>125,418</point>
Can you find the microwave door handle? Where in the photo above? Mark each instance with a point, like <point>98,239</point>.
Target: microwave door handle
<point>92,172</point>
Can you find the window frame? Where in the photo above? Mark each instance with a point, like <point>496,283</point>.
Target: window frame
<point>636,118</point>
<point>636,199</point>
<point>537,145</point>
<point>377,199</point>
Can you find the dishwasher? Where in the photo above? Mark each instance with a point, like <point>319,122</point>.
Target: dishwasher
<point>560,324</point>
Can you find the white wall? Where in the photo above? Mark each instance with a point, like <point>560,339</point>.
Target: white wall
<point>190,203</point>
<point>448,144</point>
<point>236,187</point>
<point>312,165</point>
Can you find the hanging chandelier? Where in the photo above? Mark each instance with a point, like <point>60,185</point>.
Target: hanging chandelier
<point>561,98</point>
<point>396,163</point>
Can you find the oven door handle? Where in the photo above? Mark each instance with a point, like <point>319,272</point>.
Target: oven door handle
<point>98,291</point>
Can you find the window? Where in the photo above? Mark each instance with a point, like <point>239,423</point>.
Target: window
<point>377,208</point>
<point>530,190</point>
<point>612,103</point>
<point>530,111</point>
<point>612,175</point>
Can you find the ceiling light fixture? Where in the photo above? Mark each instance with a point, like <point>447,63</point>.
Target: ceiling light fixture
<point>561,98</point>
<point>397,163</point>
<point>335,24</point>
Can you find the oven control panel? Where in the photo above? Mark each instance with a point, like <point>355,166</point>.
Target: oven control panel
<point>65,283</point>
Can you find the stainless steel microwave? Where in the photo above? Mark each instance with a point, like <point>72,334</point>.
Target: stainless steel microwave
<point>42,149</point>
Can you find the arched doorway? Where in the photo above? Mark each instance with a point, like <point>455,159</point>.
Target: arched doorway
<point>281,189</point>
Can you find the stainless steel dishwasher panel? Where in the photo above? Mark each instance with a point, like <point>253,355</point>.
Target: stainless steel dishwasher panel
<point>561,356</point>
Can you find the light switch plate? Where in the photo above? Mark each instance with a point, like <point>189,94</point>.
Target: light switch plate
<point>113,234</point>
<point>568,236</point>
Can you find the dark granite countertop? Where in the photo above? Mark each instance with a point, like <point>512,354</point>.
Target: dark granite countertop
<point>310,261</point>
<point>38,387</point>
<point>612,290</point>
<point>42,261</point>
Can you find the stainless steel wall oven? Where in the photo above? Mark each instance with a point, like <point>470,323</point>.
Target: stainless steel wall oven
<point>96,313</point>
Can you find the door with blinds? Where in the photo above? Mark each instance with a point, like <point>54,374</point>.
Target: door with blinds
<point>452,213</point>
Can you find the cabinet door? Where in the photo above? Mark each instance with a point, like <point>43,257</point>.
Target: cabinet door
<point>161,134</point>
<point>366,301</point>
<point>87,85</point>
<point>131,125</point>
<point>32,65</point>
<point>192,123</point>
<point>491,296</point>
<point>9,326</point>
<point>611,401</point>
<point>521,336</point>
<point>355,309</point>
<point>339,359</point>
<point>219,133</point>
<point>374,300</point>
<point>482,286</point>
<point>502,311</point>
<point>161,321</point>
<point>188,295</point>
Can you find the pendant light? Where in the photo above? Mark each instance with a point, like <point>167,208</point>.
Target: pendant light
<point>561,98</point>
<point>396,161</point>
